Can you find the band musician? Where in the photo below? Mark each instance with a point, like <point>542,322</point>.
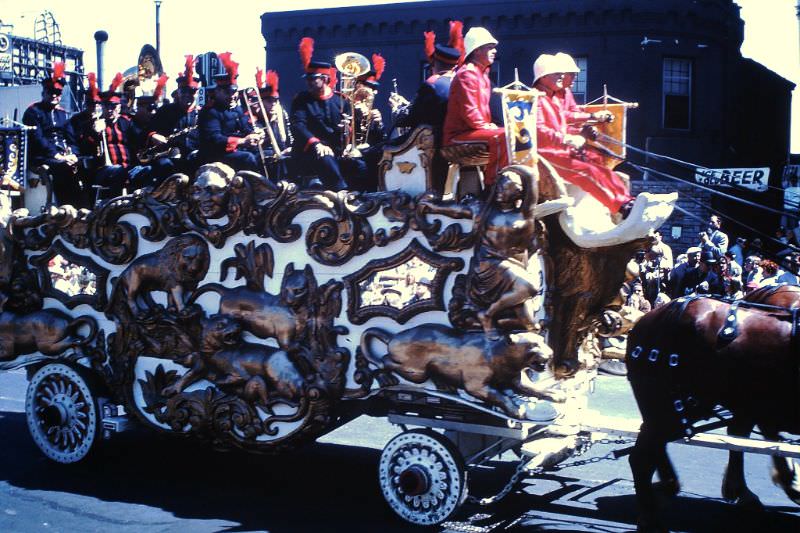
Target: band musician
<point>173,135</point>
<point>226,134</point>
<point>276,118</point>
<point>53,142</point>
<point>429,105</point>
<point>319,119</point>
<point>113,138</point>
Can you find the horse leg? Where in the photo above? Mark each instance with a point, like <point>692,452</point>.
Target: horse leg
<point>647,453</point>
<point>668,484</point>
<point>785,472</point>
<point>734,486</point>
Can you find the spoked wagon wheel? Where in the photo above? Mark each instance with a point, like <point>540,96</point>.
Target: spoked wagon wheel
<point>62,413</point>
<point>422,477</point>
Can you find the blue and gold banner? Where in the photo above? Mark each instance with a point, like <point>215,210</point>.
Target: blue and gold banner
<point>12,155</point>
<point>519,116</point>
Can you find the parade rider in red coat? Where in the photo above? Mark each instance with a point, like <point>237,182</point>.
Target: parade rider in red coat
<point>575,163</point>
<point>468,118</point>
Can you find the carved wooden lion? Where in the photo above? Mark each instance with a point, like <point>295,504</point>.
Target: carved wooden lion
<point>176,269</point>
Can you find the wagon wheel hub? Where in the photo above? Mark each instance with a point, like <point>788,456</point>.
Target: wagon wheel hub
<point>414,481</point>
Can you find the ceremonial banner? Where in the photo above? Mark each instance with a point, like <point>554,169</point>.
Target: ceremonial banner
<point>12,155</point>
<point>519,117</point>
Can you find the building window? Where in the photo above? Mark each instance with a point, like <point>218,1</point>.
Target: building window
<point>579,85</point>
<point>677,93</point>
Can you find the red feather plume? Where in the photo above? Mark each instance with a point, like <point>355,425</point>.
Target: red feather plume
<point>430,43</point>
<point>189,67</point>
<point>116,82</point>
<point>333,78</point>
<point>272,81</point>
<point>231,66</point>
<point>379,65</point>
<point>94,92</point>
<point>58,70</point>
<point>259,78</point>
<point>306,50</point>
<point>160,84</point>
<point>457,37</point>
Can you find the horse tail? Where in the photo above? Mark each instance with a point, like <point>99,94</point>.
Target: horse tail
<point>78,322</point>
<point>208,287</point>
<point>373,333</point>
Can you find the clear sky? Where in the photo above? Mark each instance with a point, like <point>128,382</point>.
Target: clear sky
<point>188,26</point>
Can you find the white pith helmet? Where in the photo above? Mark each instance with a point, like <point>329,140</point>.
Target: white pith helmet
<point>475,38</point>
<point>568,64</point>
<point>545,64</point>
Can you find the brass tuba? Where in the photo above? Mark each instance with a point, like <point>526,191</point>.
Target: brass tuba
<point>350,65</point>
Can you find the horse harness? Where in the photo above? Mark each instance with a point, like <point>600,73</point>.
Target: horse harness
<point>729,331</point>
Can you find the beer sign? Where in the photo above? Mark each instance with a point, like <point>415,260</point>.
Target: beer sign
<point>755,179</point>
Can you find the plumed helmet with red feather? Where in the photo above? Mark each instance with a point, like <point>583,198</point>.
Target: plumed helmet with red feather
<point>56,80</point>
<point>370,78</point>
<point>159,90</point>
<point>113,95</point>
<point>453,52</point>
<point>92,92</point>
<point>231,71</point>
<point>310,66</point>
<point>187,77</point>
<point>270,88</point>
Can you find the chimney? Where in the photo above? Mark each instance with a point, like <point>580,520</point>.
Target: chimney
<point>100,38</point>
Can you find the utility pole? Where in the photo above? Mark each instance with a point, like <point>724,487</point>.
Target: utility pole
<point>158,26</point>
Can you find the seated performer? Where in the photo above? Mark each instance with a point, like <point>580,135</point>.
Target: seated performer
<point>53,142</point>
<point>576,116</point>
<point>369,122</point>
<point>469,118</point>
<point>430,103</point>
<point>277,121</point>
<point>114,138</point>
<point>82,126</point>
<point>370,136</point>
<point>318,125</point>
<point>226,135</point>
<point>564,150</point>
<point>173,130</point>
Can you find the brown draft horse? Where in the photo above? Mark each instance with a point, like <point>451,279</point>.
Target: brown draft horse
<point>785,472</point>
<point>688,357</point>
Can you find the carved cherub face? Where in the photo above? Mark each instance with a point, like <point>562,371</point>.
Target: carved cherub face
<point>509,189</point>
<point>210,194</point>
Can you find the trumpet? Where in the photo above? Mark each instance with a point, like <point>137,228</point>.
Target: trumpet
<point>102,148</point>
<point>397,101</point>
<point>350,65</point>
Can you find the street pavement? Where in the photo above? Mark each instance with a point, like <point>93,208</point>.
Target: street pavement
<point>140,481</point>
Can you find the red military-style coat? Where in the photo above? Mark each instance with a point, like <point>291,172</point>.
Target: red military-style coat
<point>468,106</point>
<point>586,171</point>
